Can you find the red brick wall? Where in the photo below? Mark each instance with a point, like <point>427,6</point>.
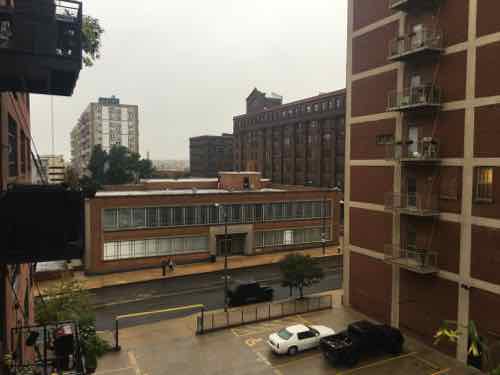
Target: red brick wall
<point>370,229</point>
<point>380,179</point>
<point>484,308</point>
<point>487,77</point>
<point>364,139</point>
<point>364,102</point>
<point>487,17</point>
<point>369,11</point>
<point>370,286</point>
<point>487,132</point>
<point>485,258</point>
<point>451,76</point>
<point>366,49</point>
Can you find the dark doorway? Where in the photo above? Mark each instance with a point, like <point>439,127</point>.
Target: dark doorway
<point>235,244</point>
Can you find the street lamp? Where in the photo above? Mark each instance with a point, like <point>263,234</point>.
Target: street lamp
<point>217,205</point>
<point>323,225</point>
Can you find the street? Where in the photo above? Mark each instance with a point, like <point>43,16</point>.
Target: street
<point>204,289</point>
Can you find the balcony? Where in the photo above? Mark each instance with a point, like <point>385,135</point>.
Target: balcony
<point>420,44</point>
<point>413,5</point>
<point>426,151</point>
<point>420,261</point>
<point>414,204</point>
<point>41,46</point>
<point>415,98</point>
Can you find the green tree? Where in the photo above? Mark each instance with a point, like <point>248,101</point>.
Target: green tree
<point>91,40</point>
<point>97,165</point>
<point>121,166</point>
<point>71,178</point>
<point>68,300</point>
<point>299,271</point>
<point>145,168</point>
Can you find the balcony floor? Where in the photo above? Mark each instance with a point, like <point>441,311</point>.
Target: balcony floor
<point>415,107</point>
<point>417,212</point>
<point>417,53</point>
<point>412,265</point>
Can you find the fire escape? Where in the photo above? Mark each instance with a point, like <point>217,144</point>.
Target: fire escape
<point>417,152</point>
<point>40,46</point>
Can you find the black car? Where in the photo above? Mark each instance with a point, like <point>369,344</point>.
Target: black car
<point>359,339</point>
<point>243,292</point>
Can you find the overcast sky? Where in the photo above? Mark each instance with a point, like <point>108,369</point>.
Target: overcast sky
<point>190,64</point>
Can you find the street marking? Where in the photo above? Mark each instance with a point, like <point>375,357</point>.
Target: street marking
<point>277,372</point>
<point>428,363</point>
<point>113,370</point>
<point>251,342</point>
<point>263,359</point>
<point>445,371</point>
<point>378,363</point>
<point>133,361</point>
<point>303,358</point>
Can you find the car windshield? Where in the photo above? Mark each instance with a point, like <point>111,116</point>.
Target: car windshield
<point>284,334</point>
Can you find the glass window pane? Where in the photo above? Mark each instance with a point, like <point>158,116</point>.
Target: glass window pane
<point>258,212</point>
<point>139,217</point>
<point>125,250</point>
<point>268,214</point>
<point>110,216</point>
<point>165,216</point>
<point>316,206</point>
<point>139,249</point>
<point>125,218</point>
<point>278,210</point>
<point>152,214</point>
<point>190,215</point>
<point>299,210</point>
<point>236,213</point>
<point>308,210</point>
<point>179,215</point>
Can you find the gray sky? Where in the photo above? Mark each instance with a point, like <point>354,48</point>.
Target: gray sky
<point>190,64</point>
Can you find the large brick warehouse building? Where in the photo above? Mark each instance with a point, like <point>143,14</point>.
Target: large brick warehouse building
<point>297,143</point>
<point>141,226</point>
<point>422,114</point>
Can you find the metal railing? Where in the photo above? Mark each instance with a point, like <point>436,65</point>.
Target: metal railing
<point>68,10</point>
<point>425,39</point>
<point>413,204</point>
<point>418,260</point>
<point>213,321</point>
<point>415,4</point>
<point>414,97</point>
<point>426,149</point>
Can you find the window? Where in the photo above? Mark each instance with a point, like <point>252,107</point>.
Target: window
<point>125,217</point>
<point>484,185</point>
<point>110,216</point>
<point>306,335</point>
<point>165,216</point>
<point>385,139</point>
<point>139,217</point>
<point>152,216</point>
<point>12,139</point>
<point>178,215</point>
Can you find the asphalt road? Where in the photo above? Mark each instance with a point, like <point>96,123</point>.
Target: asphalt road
<point>204,289</point>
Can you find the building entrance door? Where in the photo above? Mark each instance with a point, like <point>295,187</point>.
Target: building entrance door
<point>235,244</point>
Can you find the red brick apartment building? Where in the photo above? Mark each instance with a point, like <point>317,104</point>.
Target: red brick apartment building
<point>297,143</point>
<point>40,52</point>
<point>140,227</point>
<point>423,112</point>
<point>16,303</point>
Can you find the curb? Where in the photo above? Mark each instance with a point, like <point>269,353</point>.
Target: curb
<point>333,256</point>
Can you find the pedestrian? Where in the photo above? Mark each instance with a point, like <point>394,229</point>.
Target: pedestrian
<point>171,265</point>
<point>164,267</point>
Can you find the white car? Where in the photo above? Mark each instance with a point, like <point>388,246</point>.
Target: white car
<point>296,338</point>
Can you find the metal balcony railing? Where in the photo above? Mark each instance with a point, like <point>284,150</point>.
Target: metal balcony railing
<point>417,260</point>
<point>414,98</point>
<point>408,5</point>
<point>412,204</point>
<point>425,150</point>
<point>423,42</point>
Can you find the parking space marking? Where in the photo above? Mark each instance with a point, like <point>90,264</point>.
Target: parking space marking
<point>378,363</point>
<point>295,360</point>
<point>268,326</point>
<point>428,363</point>
<point>445,371</point>
<point>133,362</point>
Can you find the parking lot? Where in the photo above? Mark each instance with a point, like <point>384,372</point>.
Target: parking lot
<point>170,347</point>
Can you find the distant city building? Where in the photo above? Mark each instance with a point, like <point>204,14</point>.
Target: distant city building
<point>52,169</point>
<point>106,123</point>
<point>210,154</point>
<point>143,225</point>
<point>170,165</point>
<point>298,143</point>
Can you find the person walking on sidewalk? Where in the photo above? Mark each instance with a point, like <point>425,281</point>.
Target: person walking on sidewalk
<point>171,264</point>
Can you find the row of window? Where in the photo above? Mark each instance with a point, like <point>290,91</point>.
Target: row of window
<point>290,237</point>
<point>150,217</point>
<point>155,247</point>
<point>19,154</point>
<point>332,104</point>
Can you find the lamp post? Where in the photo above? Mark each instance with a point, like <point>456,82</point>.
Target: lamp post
<point>224,208</point>
<point>323,225</point>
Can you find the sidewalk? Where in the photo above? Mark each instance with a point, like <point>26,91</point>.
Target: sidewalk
<point>234,262</point>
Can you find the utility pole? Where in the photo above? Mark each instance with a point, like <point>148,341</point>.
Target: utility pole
<point>323,222</point>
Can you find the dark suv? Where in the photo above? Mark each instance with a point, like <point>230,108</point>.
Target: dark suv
<point>243,292</point>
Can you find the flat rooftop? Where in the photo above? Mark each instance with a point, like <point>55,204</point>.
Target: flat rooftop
<point>102,194</point>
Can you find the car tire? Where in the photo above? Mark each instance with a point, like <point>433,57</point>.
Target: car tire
<point>395,349</point>
<point>293,350</point>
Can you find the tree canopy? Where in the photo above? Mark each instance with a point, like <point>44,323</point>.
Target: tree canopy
<point>299,271</point>
<point>119,166</point>
<point>91,40</point>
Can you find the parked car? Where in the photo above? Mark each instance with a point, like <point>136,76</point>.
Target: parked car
<point>297,338</point>
<point>359,339</point>
<point>243,292</point>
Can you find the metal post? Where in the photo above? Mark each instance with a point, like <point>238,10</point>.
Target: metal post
<point>45,346</point>
<point>256,313</point>
<point>269,315</point>
<point>117,346</point>
<point>323,233</point>
<point>203,320</point>
<point>225,260</point>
